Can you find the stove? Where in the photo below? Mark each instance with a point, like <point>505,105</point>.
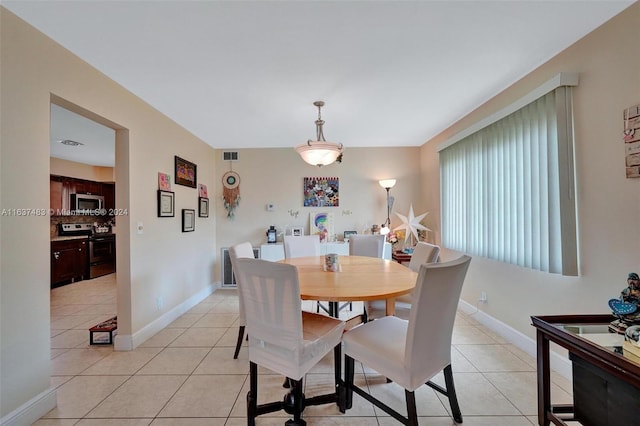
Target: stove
<point>102,246</point>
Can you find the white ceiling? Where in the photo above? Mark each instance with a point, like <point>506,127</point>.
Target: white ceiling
<point>242,74</point>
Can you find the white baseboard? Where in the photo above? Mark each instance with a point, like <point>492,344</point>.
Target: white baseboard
<point>29,412</point>
<point>559,363</point>
<point>128,342</point>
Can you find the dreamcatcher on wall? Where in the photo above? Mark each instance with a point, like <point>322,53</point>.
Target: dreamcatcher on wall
<point>231,192</point>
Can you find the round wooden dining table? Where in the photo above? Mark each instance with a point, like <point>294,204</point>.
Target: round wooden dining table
<point>358,278</point>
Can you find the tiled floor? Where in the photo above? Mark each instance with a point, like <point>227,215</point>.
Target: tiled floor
<point>186,375</point>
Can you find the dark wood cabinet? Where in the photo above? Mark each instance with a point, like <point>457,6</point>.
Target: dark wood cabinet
<point>109,194</point>
<point>61,187</point>
<point>69,261</point>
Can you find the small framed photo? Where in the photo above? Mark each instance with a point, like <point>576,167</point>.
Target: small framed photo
<point>166,203</point>
<point>347,234</point>
<point>188,220</point>
<point>297,231</point>
<point>186,172</point>
<point>203,207</point>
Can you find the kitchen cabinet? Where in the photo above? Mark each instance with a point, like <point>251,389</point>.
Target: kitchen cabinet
<point>109,194</point>
<point>61,187</point>
<point>69,261</point>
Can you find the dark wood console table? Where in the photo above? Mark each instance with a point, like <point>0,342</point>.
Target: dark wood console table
<point>606,384</point>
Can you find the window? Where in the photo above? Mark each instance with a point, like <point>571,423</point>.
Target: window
<point>508,192</point>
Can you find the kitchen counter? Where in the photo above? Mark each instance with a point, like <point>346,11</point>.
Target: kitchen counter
<point>67,238</point>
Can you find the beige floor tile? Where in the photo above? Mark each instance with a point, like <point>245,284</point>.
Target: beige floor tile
<point>61,310</point>
<point>467,421</point>
<point>225,307</point>
<point>114,422</point>
<point>202,308</point>
<point>185,320</point>
<point>427,403</point>
<point>478,397</point>
<point>220,361</point>
<point>163,338</point>
<point>81,394</point>
<point>470,335</point>
<point>216,320</point>
<point>459,363</point>
<point>55,422</point>
<point>519,388</point>
<point>318,384</point>
<point>230,337</point>
<point>122,362</point>
<point>175,361</point>
<point>493,358</point>
<point>205,396</point>
<point>57,352</point>
<point>192,422</point>
<point>140,396</point>
<point>75,361</point>
<point>531,360</point>
<point>199,337</point>
<point>57,381</point>
<point>269,389</point>
<point>70,339</point>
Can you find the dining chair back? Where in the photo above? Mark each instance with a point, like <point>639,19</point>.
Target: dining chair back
<point>239,251</point>
<point>301,246</point>
<point>282,337</point>
<point>423,253</point>
<point>411,352</point>
<point>366,245</point>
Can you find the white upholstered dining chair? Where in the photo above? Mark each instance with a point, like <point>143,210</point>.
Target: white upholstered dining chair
<point>366,245</point>
<point>282,337</point>
<point>239,251</point>
<point>301,246</point>
<point>422,253</point>
<point>411,352</point>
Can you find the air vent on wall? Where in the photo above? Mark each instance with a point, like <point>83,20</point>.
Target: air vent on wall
<point>230,156</point>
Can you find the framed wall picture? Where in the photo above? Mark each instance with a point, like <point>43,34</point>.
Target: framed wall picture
<point>297,231</point>
<point>186,173</point>
<point>203,207</point>
<point>321,192</point>
<point>166,203</point>
<point>321,224</point>
<point>347,234</point>
<point>188,220</point>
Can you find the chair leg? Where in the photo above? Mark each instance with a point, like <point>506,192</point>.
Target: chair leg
<point>348,379</point>
<point>412,414</point>
<point>239,342</point>
<point>451,393</point>
<point>252,395</point>
<point>294,404</point>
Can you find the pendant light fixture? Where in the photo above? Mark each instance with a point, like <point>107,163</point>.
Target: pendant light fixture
<point>320,152</point>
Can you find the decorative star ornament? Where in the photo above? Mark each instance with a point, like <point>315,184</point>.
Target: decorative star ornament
<point>411,224</point>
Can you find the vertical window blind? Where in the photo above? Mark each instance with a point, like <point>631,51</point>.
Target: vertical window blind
<point>507,190</point>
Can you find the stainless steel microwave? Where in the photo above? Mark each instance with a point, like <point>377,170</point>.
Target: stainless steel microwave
<point>86,203</point>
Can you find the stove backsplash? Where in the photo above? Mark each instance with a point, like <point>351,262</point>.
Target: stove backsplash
<point>100,220</point>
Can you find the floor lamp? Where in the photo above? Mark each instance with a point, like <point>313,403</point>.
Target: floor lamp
<point>387,184</point>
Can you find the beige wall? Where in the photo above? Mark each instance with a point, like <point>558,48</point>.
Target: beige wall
<point>276,176</point>
<point>161,262</point>
<point>61,167</point>
<point>608,61</point>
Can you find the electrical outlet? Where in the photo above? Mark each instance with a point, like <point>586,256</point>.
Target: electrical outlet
<point>483,297</point>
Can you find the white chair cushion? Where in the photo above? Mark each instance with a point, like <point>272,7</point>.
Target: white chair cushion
<point>380,345</point>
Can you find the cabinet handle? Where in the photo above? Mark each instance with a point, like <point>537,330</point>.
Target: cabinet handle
<point>56,255</point>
